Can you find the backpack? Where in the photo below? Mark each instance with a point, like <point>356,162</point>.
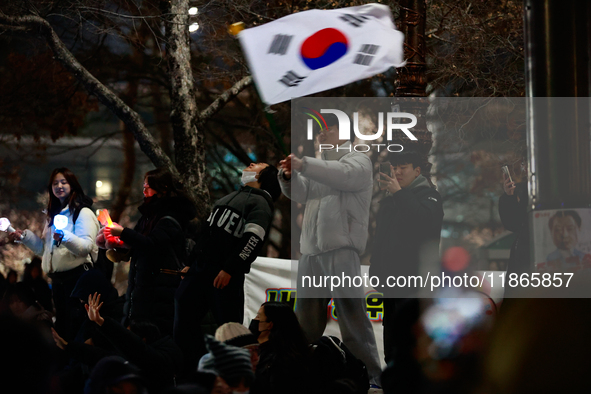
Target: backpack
<point>332,361</point>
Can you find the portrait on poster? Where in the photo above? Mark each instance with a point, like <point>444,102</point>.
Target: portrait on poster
<point>562,240</point>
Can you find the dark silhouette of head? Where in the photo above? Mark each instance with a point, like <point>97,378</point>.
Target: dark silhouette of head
<point>286,336</point>
<point>269,182</point>
<point>164,183</point>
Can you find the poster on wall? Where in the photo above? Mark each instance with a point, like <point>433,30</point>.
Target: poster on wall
<point>562,239</point>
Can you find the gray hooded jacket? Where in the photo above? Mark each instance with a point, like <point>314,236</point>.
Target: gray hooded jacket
<point>337,191</point>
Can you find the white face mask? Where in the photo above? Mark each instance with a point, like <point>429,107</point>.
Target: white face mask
<point>248,176</point>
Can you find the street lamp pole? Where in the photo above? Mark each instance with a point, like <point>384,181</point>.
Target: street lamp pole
<point>412,80</point>
<point>557,73</point>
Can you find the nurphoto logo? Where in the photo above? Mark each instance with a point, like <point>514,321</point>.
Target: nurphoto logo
<point>344,122</point>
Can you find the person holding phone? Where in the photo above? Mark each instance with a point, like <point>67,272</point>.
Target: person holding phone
<point>408,225</point>
<point>513,214</point>
<point>66,255</point>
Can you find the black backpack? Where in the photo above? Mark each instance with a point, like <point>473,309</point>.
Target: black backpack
<point>332,361</point>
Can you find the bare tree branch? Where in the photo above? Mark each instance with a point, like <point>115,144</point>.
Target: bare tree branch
<point>131,118</point>
<point>228,95</point>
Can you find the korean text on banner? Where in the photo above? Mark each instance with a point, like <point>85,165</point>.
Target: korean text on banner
<point>316,50</point>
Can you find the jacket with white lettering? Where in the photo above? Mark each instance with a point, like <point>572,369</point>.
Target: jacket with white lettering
<point>236,230</point>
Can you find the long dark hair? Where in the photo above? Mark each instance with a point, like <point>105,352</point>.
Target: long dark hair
<point>286,337</point>
<point>76,201</point>
<point>165,184</point>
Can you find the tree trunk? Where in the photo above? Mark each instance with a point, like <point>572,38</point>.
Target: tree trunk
<point>188,141</point>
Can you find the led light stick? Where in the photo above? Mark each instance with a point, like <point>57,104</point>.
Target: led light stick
<point>105,219</point>
<point>60,222</point>
<point>5,226</point>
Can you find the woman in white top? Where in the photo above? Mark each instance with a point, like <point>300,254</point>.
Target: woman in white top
<point>69,253</point>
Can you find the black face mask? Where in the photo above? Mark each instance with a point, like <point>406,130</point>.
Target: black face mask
<point>254,328</point>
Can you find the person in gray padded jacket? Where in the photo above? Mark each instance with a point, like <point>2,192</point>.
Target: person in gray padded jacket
<point>337,191</point>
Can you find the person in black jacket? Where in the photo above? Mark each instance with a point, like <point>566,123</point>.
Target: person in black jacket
<point>231,240</point>
<point>157,241</point>
<point>408,226</point>
<point>285,364</point>
<point>513,213</point>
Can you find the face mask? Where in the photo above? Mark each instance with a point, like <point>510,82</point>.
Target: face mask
<point>248,176</point>
<point>254,328</point>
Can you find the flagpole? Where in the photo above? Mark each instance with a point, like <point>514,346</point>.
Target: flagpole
<point>273,126</point>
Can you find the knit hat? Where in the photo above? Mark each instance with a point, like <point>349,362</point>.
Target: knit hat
<point>230,362</point>
<point>235,334</point>
<point>109,371</point>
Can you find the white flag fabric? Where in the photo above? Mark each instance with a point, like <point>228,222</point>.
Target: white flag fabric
<point>316,50</point>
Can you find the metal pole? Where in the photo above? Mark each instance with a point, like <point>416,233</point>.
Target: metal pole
<point>557,73</point>
<point>412,80</point>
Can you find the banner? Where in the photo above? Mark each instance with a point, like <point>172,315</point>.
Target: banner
<point>316,50</point>
<point>270,280</point>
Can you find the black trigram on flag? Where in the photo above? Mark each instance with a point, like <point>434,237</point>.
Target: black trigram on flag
<point>280,44</point>
<point>291,79</point>
<point>355,20</point>
<point>366,54</point>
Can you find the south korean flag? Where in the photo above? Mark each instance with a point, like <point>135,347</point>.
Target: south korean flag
<point>316,50</point>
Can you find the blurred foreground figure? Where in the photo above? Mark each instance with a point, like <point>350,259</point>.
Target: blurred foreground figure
<point>29,360</point>
<point>540,346</point>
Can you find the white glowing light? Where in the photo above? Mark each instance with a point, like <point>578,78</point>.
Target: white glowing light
<point>4,224</point>
<point>60,222</point>
<point>193,11</point>
<point>194,27</point>
<point>99,184</point>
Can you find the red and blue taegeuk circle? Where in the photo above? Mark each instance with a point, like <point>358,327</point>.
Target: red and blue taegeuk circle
<point>323,48</point>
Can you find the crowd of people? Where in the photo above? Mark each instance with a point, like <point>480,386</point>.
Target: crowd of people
<point>88,339</point>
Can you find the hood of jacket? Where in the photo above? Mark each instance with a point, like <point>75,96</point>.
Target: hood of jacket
<point>418,182</point>
<point>155,208</point>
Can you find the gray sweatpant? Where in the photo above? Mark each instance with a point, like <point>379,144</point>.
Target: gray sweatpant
<point>356,330</point>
